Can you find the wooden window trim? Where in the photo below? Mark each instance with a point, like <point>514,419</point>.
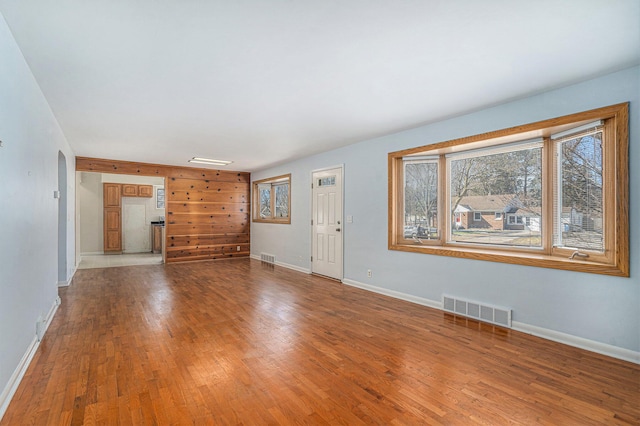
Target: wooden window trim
<point>274,181</point>
<point>615,260</point>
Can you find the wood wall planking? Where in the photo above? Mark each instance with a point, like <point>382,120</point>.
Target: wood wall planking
<point>207,212</point>
<point>214,210</point>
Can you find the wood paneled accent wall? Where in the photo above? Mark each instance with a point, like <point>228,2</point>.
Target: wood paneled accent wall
<point>207,212</point>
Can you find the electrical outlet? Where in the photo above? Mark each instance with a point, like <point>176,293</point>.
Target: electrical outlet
<point>369,273</point>
<point>238,248</point>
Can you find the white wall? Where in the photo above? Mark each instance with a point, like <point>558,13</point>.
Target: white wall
<point>602,310</point>
<point>91,222</point>
<point>31,140</point>
<point>90,201</point>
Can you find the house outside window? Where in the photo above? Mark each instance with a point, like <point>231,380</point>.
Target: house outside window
<point>557,190</point>
<point>272,199</point>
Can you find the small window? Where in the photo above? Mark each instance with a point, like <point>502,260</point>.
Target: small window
<point>514,219</point>
<point>272,200</point>
<point>159,198</point>
<point>327,181</point>
<point>558,190</point>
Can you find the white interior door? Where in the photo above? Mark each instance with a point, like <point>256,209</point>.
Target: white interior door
<point>327,223</point>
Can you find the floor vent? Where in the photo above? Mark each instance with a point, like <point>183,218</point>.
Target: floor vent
<point>477,310</point>
<point>269,258</point>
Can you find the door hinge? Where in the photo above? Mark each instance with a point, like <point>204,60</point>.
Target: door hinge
<point>311,185</point>
<point>311,222</point>
<point>312,258</point>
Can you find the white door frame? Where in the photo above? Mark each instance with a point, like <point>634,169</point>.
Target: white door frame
<point>341,167</point>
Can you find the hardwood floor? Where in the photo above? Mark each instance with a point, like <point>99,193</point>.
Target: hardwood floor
<point>241,342</point>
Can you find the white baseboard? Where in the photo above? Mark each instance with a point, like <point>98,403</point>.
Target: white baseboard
<point>395,294</point>
<point>545,333</point>
<point>68,282</point>
<point>578,342</point>
<point>285,265</point>
<point>90,253</point>
<point>294,267</point>
<point>21,369</point>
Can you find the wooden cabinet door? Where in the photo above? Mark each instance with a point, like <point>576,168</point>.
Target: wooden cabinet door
<point>112,217</point>
<point>112,194</point>
<point>129,190</point>
<point>157,238</point>
<point>112,230</point>
<point>145,191</point>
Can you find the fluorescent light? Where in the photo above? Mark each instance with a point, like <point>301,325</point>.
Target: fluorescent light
<point>210,161</point>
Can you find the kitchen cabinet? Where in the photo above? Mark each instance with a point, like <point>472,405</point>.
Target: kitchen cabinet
<point>129,190</point>
<point>157,238</point>
<point>145,191</point>
<point>112,194</point>
<point>112,231</point>
<point>112,217</point>
<point>112,212</point>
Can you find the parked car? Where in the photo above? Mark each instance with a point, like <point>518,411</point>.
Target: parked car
<point>419,231</point>
<point>410,231</point>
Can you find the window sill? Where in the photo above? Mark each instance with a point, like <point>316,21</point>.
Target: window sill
<point>285,221</point>
<point>515,258</point>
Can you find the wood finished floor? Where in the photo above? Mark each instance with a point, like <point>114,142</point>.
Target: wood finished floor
<point>241,342</point>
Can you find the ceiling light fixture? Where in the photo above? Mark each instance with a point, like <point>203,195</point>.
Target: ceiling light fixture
<point>210,161</point>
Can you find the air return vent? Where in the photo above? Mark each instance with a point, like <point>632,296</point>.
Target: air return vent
<point>269,258</point>
<point>477,310</point>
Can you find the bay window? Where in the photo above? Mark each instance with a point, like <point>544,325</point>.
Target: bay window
<point>550,194</point>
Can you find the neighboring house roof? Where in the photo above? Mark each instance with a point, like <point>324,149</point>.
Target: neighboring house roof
<point>530,211</point>
<point>506,203</point>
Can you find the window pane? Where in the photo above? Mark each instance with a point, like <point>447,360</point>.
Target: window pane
<point>580,193</point>
<point>497,198</point>
<point>265,200</point>
<point>327,181</point>
<point>282,200</point>
<point>421,200</point>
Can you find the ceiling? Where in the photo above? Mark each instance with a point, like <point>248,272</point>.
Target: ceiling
<point>261,82</point>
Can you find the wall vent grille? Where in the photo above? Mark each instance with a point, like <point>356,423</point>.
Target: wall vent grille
<point>476,310</point>
<point>269,258</point>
